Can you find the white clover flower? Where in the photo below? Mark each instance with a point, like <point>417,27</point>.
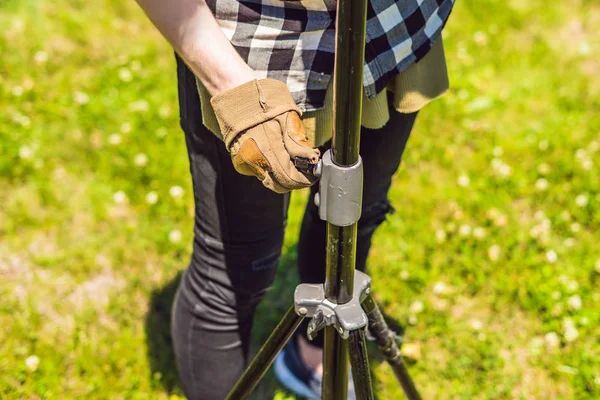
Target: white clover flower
<point>164,111</point>
<point>125,75</point>
<point>551,256</point>
<point>574,302</point>
<point>494,252</point>
<point>575,227</point>
<point>594,146</point>
<point>552,340</point>
<point>597,266</point>
<point>464,230</point>
<point>497,163</point>
<point>114,139</point>
<point>479,232</point>
<point>28,83</point>
<point>412,320</point>
<point>587,164</point>
<point>119,197</point>
<point>505,170</point>
<point>17,91</point>
<point>25,153</point>
<point>492,213</point>
<point>161,132</point>
<point>411,350</point>
<point>136,66</point>
<point>543,145</point>
<point>176,192</point>
<point>140,159</point>
<point>151,198</point>
<point>404,274</point>
<point>597,380</point>
<point>543,169</point>
<point>541,184</point>
<point>569,330</point>
<point>498,151</point>
<point>81,97</point>
<point>40,57</point>
<point>581,154</point>
<point>463,181</point>
<point>572,285</point>
<point>440,235</point>
<point>581,200</point>
<point>417,306</point>
<point>569,242</point>
<point>480,38</point>
<point>535,231</point>
<point>139,106</point>
<point>458,214</point>
<point>440,288</point>
<point>174,236</point>
<point>556,295</point>
<point>536,345</point>
<point>584,48</point>
<point>500,220</point>
<point>125,127</point>
<point>32,362</point>
<point>476,324</point>
<point>21,119</point>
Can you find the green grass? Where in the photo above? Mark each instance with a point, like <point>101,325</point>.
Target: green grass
<point>495,236</point>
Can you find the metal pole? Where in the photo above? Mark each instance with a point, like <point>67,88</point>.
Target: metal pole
<point>359,360</point>
<point>265,356</point>
<point>341,241</point>
<point>385,339</point>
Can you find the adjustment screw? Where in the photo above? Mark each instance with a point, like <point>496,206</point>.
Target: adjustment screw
<point>302,311</point>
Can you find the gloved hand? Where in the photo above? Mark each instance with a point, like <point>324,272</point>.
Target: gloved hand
<point>262,130</point>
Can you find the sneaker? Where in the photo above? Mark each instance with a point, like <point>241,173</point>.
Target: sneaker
<point>295,376</point>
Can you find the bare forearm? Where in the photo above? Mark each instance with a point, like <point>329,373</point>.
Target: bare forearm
<point>194,33</point>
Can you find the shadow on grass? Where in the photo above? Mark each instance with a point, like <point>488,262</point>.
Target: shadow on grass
<point>158,337</point>
<point>159,343</point>
<point>158,328</point>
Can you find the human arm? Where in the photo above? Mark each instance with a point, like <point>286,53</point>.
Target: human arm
<point>259,120</point>
<point>190,27</point>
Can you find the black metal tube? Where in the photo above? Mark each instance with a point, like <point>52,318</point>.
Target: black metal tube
<point>340,262</point>
<point>341,241</point>
<point>335,366</point>
<point>385,339</point>
<point>265,356</point>
<point>347,79</point>
<point>360,365</point>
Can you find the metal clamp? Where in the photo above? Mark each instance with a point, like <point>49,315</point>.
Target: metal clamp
<point>310,301</point>
<point>340,191</point>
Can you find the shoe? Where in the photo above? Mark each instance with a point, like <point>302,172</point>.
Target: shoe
<point>295,376</point>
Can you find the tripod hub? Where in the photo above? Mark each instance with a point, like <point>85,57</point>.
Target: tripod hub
<point>310,301</point>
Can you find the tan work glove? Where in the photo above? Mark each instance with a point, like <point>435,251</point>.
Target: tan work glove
<point>262,130</point>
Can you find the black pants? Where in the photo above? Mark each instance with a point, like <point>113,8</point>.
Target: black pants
<point>238,234</point>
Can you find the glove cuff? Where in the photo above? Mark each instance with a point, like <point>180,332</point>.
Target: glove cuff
<point>251,104</point>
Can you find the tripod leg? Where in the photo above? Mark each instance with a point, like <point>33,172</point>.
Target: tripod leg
<point>335,366</point>
<point>385,339</point>
<point>265,356</point>
<point>360,365</point>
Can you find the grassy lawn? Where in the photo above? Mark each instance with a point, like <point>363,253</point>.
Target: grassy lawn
<point>491,261</point>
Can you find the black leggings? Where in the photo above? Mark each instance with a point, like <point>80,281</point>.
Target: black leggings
<point>238,234</point>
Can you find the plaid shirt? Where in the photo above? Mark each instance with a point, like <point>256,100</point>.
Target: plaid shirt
<point>294,40</point>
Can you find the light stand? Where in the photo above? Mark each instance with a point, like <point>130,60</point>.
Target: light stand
<point>343,306</point>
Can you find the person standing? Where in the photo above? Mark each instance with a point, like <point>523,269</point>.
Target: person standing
<point>255,91</point>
